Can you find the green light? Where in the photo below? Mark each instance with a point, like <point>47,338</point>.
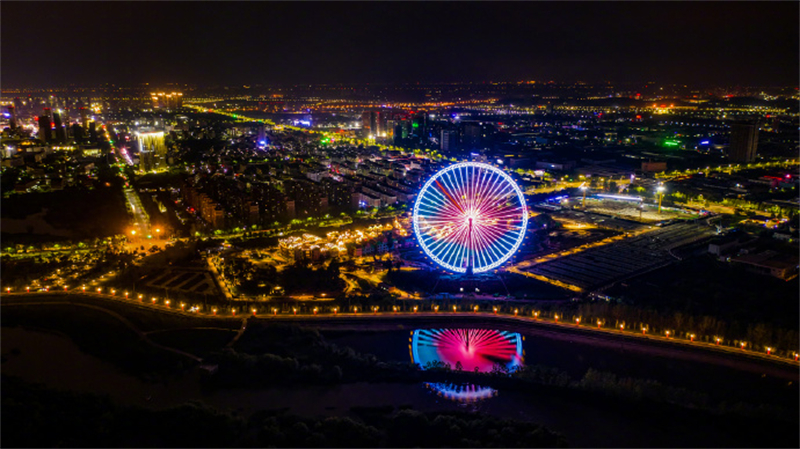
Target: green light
<point>671,143</point>
<point>415,125</point>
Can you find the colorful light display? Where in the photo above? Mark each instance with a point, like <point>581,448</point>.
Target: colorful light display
<point>470,217</point>
<point>473,349</point>
<point>462,393</point>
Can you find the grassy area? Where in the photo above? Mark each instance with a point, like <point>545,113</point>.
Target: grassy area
<point>199,342</point>
<point>75,210</point>
<point>704,286</point>
<point>98,334</point>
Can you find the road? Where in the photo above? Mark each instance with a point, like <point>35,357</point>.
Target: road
<point>634,341</point>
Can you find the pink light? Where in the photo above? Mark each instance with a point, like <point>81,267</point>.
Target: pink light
<point>475,348</point>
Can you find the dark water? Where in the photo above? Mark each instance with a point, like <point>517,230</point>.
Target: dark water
<point>723,377</point>
<point>57,362</point>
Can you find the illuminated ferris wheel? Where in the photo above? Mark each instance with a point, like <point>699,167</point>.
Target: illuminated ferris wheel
<point>470,217</point>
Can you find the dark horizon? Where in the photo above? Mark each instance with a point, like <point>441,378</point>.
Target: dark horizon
<point>129,43</point>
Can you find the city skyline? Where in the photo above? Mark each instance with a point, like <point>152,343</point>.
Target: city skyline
<point>211,43</point>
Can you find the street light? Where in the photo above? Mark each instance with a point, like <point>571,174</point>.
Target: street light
<point>691,337</point>
<point>516,311</point>
<point>436,308</point>
<point>214,310</point>
<point>577,321</point>
<point>584,189</point>
<point>660,189</point>
<point>315,311</point>
<point>254,312</point>
<point>415,309</point>
<point>718,340</point>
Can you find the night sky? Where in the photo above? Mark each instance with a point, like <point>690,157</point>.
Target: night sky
<point>714,43</point>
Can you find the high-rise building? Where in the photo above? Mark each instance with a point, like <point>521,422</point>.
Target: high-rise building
<point>262,135</point>
<point>449,140</point>
<point>152,150</point>
<point>369,123</point>
<point>743,142</point>
<point>172,100</point>
<point>472,135</point>
<point>420,127</point>
<point>382,123</point>
<point>61,135</point>
<point>45,132</point>
<point>93,132</point>
<point>84,118</point>
<point>77,132</point>
<point>12,117</point>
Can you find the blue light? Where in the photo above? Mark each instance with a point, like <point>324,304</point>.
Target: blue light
<point>705,142</point>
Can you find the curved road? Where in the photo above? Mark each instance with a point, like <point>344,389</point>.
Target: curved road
<point>610,338</point>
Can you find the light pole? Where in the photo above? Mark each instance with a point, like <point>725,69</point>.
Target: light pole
<point>583,203</point>
<point>660,189</point>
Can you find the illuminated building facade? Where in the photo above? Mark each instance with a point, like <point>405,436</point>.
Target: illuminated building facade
<point>152,151</point>
<point>162,100</point>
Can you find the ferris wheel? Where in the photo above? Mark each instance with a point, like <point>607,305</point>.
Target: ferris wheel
<point>470,217</point>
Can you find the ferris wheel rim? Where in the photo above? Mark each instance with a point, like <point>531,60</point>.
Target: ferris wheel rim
<point>507,252</point>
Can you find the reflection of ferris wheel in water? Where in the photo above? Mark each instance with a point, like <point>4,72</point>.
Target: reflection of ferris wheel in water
<point>470,217</point>
<point>474,349</point>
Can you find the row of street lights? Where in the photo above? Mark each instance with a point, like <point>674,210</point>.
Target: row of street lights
<point>395,309</point>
